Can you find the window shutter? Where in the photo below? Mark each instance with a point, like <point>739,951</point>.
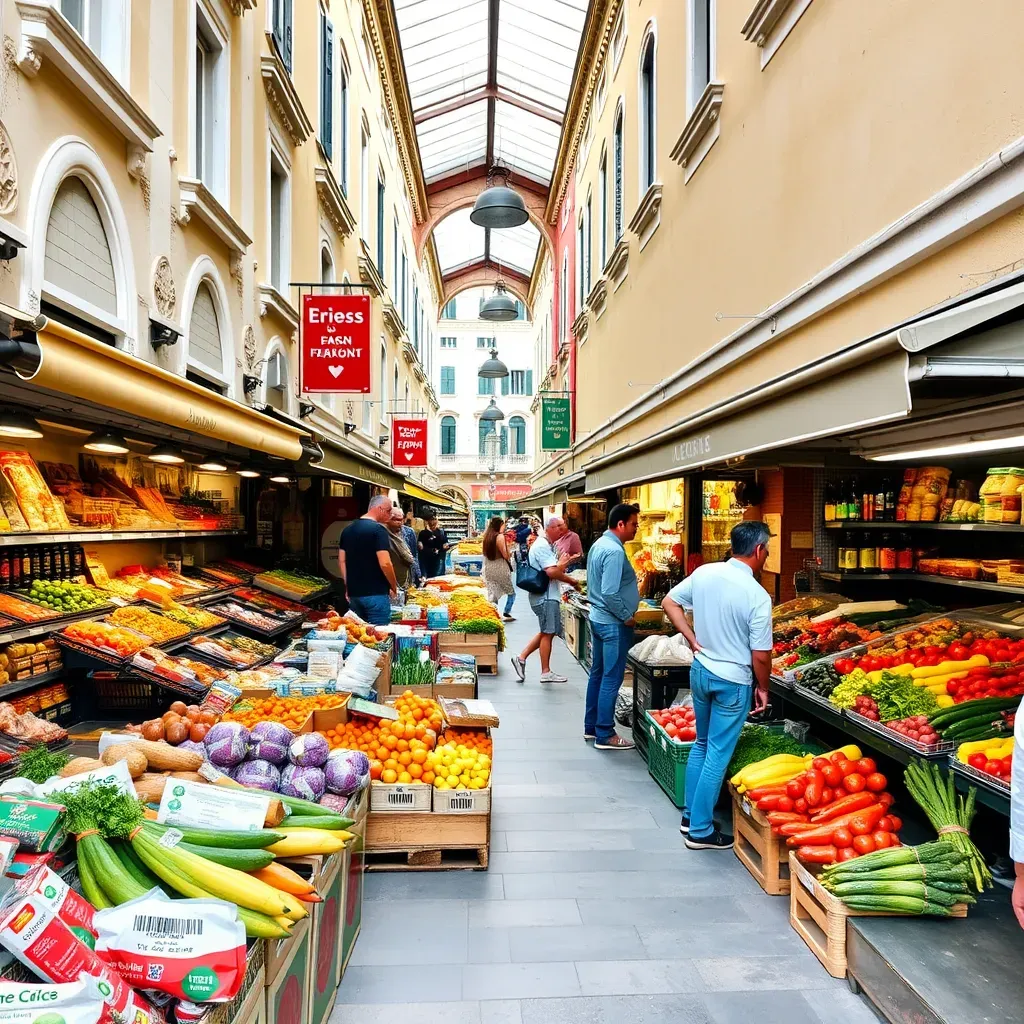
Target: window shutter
<point>529,382</point>
<point>504,385</point>
<point>503,440</point>
<point>344,131</point>
<point>327,85</point>
<point>278,26</point>
<point>287,55</point>
<point>618,180</point>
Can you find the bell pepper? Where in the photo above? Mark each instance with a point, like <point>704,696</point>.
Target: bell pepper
<point>844,805</point>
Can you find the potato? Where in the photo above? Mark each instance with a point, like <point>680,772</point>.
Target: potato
<point>129,752</point>
<point>78,765</point>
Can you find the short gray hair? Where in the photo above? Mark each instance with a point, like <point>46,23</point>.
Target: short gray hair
<point>747,536</point>
<point>377,500</point>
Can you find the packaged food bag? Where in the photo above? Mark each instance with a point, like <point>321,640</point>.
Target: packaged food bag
<point>191,949</point>
<point>79,1002</point>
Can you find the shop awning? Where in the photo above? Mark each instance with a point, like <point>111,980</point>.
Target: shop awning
<point>344,462</point>
<point>871,393</point>
<point>73,364</point>
<point>434,497</point>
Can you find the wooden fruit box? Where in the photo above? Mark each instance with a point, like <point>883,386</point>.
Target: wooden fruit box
<point>482,646</point>
<point>819,918</point>
<point>423,841</point>
<point>761,851</point>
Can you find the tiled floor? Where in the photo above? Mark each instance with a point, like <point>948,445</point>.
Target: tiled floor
<point>592,910</point>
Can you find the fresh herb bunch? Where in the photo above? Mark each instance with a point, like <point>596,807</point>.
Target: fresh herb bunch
<point>101,805</point>
<point>756,743</point>
<point>850,688</point>
<point>898,697</point>
<point>39,763</point>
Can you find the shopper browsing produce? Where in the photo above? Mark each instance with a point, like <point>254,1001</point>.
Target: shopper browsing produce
<point>412,543</point>
<point>498,567</point>
<point>614,598</point>
<point>433,546</point>
<point>364,561</point>
<point>732,643</point>
<point>401,553</point>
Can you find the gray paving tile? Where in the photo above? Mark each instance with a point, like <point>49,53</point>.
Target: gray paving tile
<point>519,981</point>
<point>501,1011</point>
<point>498,842</point>
<point>568,839</point>
<point>421,1013</point>
<point>413,983</point>
<point>432,885</point>
<point>659,913</point>
<point>579,942</point>
<point>608,884</point>
<point>838,1003</point>
<point>722,940</point>
<point>781,1008</point>
<point>384,942</point>
<point>523,913</point>
<point>738,973</point>
<point>616,821</point>
<point>598,802</point>
<point>489,946</point>
<point>640,977</point>
<point>535,791</point>
<point>636,1009</point>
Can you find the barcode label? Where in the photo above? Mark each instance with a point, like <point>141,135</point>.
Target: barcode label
<point>402,799</point>
<point>170,839</point>
<point>461,803</point>
<point>168,927</point>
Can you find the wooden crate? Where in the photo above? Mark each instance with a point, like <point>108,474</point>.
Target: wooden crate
<point>571,631</point>
<point>764,854</point>
<point>819,918</point>
<point>483,647</point>
<point>425,841</point>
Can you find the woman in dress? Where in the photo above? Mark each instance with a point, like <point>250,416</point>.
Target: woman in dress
<point>498,567</point>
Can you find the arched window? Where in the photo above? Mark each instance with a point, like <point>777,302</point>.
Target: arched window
<point>648,128</point>
<point>486,428</point>
<point>517,435</point>
<point>204,342</point>
<point>326,266</point>
<point>447,435</point>
<point>77,257</point>
<point>617,170</point>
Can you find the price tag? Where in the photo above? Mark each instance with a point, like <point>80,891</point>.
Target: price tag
<point>170,839</point>
<point>747,809</point>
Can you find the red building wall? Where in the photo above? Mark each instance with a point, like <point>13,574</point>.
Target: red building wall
<point>565,280</point>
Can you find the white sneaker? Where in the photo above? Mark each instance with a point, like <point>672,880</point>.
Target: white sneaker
<point>520,667</point>
<point>553,677</point>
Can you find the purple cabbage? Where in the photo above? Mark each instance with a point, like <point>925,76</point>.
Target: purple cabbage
<point>269,741</point>
<point>258,774</point>
<point>304,782</point>
<point>309,750</point>
<point>344,769</point>
<point>227,743</point>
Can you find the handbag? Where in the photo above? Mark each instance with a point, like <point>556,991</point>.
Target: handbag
<point>533,581</point>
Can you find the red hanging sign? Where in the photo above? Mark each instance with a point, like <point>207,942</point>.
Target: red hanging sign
<point>335,344</point>
<point>408,443</point>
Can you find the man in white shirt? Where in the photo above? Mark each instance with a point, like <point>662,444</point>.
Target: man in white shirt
<point>732,643</point>
<point>1017,814</point>
<point>548,605</point>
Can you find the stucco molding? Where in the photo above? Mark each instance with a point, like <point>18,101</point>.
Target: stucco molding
<point>700,132</point>
<point>393,322</point>
<point>428,390</point>
<point>332,201</point>
<point>164,293</point>
<point>272,301</point>
<point>239,7</point>
<point>368,273</point>
<point>563,351</point>
<point>195,198</point>
<point>419,372</point>
<point>770,22</point>
<point>47,35</point>
<point>598,297</point>
<point>409,353</point>
<point>8,174</point>
<point>647,217</point>
<point>581,325</point>
<point>284,97</point>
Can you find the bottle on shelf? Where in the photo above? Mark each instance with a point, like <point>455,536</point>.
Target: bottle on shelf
<point>904,553</point>
<point>830,503</point>
<point>16,568</point>
<point>890,502</point>
<point>867,504</point>
<point>79,565</point>
<point>887,554</point>
<point>853,502</point>
<point>35,564</point>
<point>880,501</point>
<point>26,566</point>
<point>847,553</point>
<point>46,562</point>
<point>5,570</point>
<point>867,554</point>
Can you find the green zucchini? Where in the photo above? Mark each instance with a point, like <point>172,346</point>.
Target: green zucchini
<point>927,853</point>
<point>222,840</point>
<point>110,874</point>
<point>870,887</point>
<point>896,905</point>
<point>90,887</point>
<point>296,805</point>
<point>243,860</point>
<point>129,860</point>
<point>969,708</point>
<point>327,821</point>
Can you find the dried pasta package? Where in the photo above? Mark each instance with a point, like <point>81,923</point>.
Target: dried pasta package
<point>930,485</point>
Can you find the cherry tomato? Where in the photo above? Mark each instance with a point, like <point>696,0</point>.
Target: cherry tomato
<point>821,763</point>
<point>876,781</point>
<point>992,767</point>
<point>897,823</point>
<point>886,799</point>
<point>881,840</point>
<point>784,804</point>
<point>827,796</point>
<point>842,838</point>
<point>847,853</point>
<point>795,788</point>
<point>866,766</point>
<point>833,776</point>
<point>800,806</point>
<point>864,844</point>
<point>854,783</point>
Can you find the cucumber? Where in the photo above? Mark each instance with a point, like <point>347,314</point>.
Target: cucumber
<point>90,887</point>
<point>328,821</point>
<point>133,865</point>
<point>222,840</point>
<point>296,805</point>
<point>972,708</point>
<point>242,860</point>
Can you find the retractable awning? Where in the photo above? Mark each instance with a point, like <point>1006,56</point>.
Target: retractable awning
<point>346,463</point>
<point>434,497</point>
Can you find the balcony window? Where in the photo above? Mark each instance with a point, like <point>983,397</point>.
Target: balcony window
<point>448,435</point>
<point>517,435</point>
<point>101,24</point>
<point>447,380</point>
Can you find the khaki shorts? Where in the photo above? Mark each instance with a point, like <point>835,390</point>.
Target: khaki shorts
<point>549,614</point>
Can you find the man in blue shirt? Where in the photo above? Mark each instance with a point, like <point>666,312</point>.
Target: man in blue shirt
<point>731,639</point>
<point>409,536</point>
<point>614,598</point>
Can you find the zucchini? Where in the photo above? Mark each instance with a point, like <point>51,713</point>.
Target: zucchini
<point>223,840</point>
<point>927,853</point>
<point>328,821</point>
<point>90,887</point>
<point>296,805</point>
<point>242,860</point>
<point>110,874</point>
<point>869,887</point>
<point>896,905</point>
<point>134,866</point>
<point>969,708</point>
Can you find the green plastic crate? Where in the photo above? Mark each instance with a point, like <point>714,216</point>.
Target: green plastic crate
<point>666,761</point>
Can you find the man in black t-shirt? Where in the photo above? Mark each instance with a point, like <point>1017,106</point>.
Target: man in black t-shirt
<point>433,545</point>
<point>364,560</point>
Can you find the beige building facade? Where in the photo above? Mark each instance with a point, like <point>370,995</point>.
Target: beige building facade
<point>168,171</point>
<point>761,186</point>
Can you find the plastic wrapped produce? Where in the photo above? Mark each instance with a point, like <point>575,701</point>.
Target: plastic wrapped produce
<point>303,782</point>
<point>270,741</point>
<point>309,750</point>
<point>344,769</point>
<point>259,774</point>
<point>227,743</point>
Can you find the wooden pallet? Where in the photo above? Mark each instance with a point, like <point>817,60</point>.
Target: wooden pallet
<point>428,860</point>
<point>424,841</point>
<point>761,851</point>
<point>819,918</point>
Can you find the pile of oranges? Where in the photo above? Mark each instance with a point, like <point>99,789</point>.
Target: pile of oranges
<point>474,739</point>
<point>291,712</point>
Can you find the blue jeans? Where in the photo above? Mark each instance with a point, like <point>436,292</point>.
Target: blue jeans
<point>721,708</point>
<point>374,608</point>
<point>611,645</point>
<point>509,602</point>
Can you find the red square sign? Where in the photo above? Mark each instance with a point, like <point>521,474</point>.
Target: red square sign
<point>335,344</point>
<point>408,443</point>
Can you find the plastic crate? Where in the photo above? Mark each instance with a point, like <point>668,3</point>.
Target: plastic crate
<point>128,697</point>
<point>666,761</point>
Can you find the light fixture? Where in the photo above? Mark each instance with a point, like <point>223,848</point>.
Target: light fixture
<point>280,479</point>
<point>492,414</point>
<point>993,444</point>
<point>499,206</point>
<point>213,465</point>
<point>500,305</point>
<point>248,470</point>
<point>107,441</point>
<point>18,424</point>
<point>493,367</point>
<point>166,454</point>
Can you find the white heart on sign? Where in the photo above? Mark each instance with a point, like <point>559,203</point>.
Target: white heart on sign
<point>408,456</point>
<point>335,371</point>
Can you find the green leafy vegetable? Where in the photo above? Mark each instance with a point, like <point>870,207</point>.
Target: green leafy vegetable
<point>898,697</point>
<point>101,805</point>
<point>756,743</point>
<point>39,764</point>
<point>850,688</point>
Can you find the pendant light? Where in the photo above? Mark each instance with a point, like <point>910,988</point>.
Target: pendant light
<point>493,367</point>
<point>211,464</point>
<point>166,454</point>
<point>499,206</point>
<point>500,305</point>
<point>280,479</point>
<point>106,441</point>
<point>18,424</point>
<point>492,414</point>
<point>248,470</point>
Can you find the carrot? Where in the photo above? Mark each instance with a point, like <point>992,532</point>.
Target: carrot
<point>817,854</point>
<point>284,879</point>
<point>782,817</point>
<point>844,805</point>
<point>309,897</point>
<point>756,794</point>
<point>859,822</point>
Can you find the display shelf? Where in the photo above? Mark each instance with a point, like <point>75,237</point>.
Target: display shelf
<point>92,536</point>
<point>990,792</point>
<point>858,524</point>
<point>921,577</point>
<point>25,630</point>
<point>22,685</point>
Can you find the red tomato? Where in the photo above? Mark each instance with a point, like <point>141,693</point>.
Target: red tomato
<point>875,781</point>
<point>820,763</point>
<point>897,823</point>
<point>881,840</point>
<point>842,838</point>
<point>992,767</point>
<point>672,729</point>
<point>854,783</point>
<point>866,766</point>
<point>827,796</point>
<point>933,659</point>
<point>864,844</point>
<point>795,789</point>
<point>886,800</point>
<point>833,776</point>
<point>800,806</point>
<point>957,652</point>
<point>784,804</point>
<point>847,853</point>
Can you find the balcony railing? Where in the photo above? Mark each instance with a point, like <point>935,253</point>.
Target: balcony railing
<point>454,463</point>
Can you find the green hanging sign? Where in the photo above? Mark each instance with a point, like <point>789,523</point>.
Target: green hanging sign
<point>556,424</point>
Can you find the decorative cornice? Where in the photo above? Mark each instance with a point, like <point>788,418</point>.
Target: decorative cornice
<point>648,214</point>
<point>428,390</point>
<point>387,48</point>
<point>283,96</point>
<point>563,351</point>
<point>598,296</point>
<point>700,122</point>
<point>196,198</point>
<point>368,272</point>
<point>393,321</point>
<point>409,352</point>
<point>763,18</point>
<point>272,301</point>
<point>46,33</point>
<point>332,201</point>
<point>618,263</point>
<point>597,34</point>
<point>239,7</point>
<point>581,325</point>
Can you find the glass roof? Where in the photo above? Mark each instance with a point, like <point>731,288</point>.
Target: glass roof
<point>516,247</point>
<point>460,243</point>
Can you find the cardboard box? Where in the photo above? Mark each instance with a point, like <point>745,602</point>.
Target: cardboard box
<point>415,796</point>
<point>253,987</point>
<point>288,981</point>
<point>354,866</point>
<point>462,801</point>
<point>457,691</point>
<point>332,717</point>
<point>325,950</point>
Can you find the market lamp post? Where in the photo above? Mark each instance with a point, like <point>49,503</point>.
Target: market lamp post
<point>492,414</point>
<point>493,368</point>
<point>500,305</point>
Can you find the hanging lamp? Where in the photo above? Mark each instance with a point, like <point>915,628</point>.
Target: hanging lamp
<point>107,441</point>
<point>493,367</point>
<point>500,305</point>
<point>492,414</point>
<point>167,454</point>
<point>499,206</point>
<point>18,424</point>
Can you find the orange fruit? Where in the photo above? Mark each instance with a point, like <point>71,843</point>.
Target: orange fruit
<point>415,770</point>
<point>419,756</point>
<point>428,777</point>
<point>389,775</point>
